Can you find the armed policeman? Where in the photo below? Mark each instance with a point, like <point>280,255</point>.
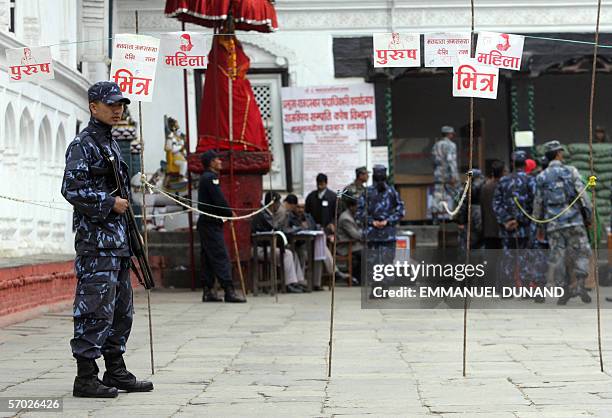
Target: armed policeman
<point>515,227</point>
<point>380,209</point>
<point>103,304</point>
<point>556,188</point>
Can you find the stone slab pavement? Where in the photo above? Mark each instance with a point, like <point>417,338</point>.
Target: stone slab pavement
<point>270,359</point>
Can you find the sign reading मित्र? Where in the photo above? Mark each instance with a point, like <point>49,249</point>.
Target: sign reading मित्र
<point>134,64</point>
<point>471,79</point>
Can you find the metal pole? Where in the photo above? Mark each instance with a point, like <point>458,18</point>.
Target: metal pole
<point>144,218</point>
<point>333,292</point>
<point>189,184</point>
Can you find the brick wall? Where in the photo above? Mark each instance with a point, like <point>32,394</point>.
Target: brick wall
<point>34,286</point>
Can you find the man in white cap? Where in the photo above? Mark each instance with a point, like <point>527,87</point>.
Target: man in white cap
<point>446,176</point>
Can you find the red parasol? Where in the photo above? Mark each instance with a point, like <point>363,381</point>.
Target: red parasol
<point>257,15</point>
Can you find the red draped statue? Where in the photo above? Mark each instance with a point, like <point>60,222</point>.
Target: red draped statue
<point>227,58</point>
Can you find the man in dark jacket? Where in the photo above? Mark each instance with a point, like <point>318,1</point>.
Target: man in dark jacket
<point>103,304</point>
<point>213,252</point>
<point>321,204</point>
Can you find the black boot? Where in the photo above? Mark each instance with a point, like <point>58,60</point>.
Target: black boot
<point>567,295</point>
<point>87,384</point>
<point>582,292</point>
<point>232,297</point>
<point>117,375</point>
<point>210,295</point>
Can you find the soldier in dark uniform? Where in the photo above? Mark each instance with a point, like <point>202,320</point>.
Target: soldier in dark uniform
<point>213,252</point>
<point>103,305</point>
<point>382,209</point>
<point>516,230</point>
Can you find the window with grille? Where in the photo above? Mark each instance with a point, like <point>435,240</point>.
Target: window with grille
<point>263,97</point>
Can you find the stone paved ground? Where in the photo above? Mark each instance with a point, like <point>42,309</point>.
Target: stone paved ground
<point>267,359</point>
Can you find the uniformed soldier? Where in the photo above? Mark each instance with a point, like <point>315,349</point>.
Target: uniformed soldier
<point>213,252</point>
<point>103,306</point>
<point>380,209</point>
<point>357,187</point>
<point>515,228</point>
<point>556,188</point>
<point>446,176</point>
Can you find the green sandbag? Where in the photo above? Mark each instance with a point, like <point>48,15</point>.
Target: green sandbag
<point>583,148</point>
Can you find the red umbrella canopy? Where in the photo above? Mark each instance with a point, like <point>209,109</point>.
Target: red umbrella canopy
<point>257,15</point>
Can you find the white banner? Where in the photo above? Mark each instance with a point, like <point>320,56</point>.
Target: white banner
<point>471,79</point>
<point>379,156</point>
<point>500,50</point>
<point>29,64</point>
<point>183,50</point>
<point>397,49</point>
<point>444,49</point>
<point>310,112</point>
<point>335,156</point>
<point>134,64</point>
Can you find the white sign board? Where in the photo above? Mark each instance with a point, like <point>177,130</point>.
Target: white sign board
<point>397,49</point>
<point>471,79</point>
<point>500,50</point>
<point>310,112</point>
<point>29,64</point>
<point>183,50</point>
<point>134,64</point>
<point>379,156</point>
<point>444,49</point>
<point>335,156</point>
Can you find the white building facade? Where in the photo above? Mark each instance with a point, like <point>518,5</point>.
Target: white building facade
<point>38,120</point>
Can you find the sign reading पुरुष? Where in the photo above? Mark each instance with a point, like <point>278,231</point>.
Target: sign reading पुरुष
<point>134,64</point>
<point>29,64</point>
<point>397,50</point>
<point>184,50</point>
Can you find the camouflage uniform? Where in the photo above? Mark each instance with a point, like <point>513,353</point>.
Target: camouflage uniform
<point>556,188</point>
<point>377,205</point>
<point>444,153</point>
<point>103,306</point>
<point>516,242</point>
<point>476,215</point>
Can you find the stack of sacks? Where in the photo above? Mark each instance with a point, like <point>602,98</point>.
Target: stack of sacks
<point>602,164</point>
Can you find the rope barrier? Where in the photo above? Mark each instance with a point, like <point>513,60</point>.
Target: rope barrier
<point>591,183</point>
<point>455,211</point>
<point>39,203</point>
<point>185,199</point>
<point>222,218</point>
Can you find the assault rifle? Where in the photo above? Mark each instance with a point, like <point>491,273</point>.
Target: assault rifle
<point>145,275</point>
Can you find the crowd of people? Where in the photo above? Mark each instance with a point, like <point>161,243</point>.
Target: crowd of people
<point>536,212</point>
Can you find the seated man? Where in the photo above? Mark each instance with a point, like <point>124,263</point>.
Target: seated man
<point>264,222</point>
<point>299,220</point>
<point>348,230</point>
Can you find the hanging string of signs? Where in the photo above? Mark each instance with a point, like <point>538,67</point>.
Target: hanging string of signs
<point>134,63</point>
<point>472,77</point>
